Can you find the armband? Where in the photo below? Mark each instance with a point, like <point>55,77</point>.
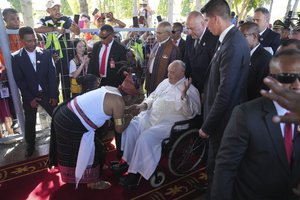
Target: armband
<point>119,122</point>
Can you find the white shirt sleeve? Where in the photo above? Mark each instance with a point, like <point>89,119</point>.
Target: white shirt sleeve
<point>73,67</point>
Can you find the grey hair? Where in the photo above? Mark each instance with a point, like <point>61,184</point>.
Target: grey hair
<point>180,63</point>
<point>263,10</point>
<point>166,25</point>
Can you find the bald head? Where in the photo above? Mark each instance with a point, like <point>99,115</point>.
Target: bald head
<point>176,71</point>
<point>195,24</point>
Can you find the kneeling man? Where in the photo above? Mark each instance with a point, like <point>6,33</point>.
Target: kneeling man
<point>175,99</point>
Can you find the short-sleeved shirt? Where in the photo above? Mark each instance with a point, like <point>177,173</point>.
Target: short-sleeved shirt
<point>63,21</point>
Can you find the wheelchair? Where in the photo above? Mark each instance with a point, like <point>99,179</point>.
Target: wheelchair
<point>184,150</point>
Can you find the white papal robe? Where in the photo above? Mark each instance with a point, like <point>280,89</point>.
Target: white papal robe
<point>141,141</point>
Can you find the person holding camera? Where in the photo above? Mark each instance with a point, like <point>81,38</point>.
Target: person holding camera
<point>78,65</point>
<point>34,72</point>
<point>53,28</point>
<point>107,18</point>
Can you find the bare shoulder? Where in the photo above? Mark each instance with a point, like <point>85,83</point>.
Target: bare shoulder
<point>113,102</point>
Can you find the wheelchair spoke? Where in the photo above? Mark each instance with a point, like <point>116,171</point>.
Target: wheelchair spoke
<point>187,153</point>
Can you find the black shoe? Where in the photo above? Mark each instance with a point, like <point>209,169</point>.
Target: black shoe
<point>131,181</point>
<point>201,187</point>
<point>119,168</point>
<point>29,151</point>
<point>114,162</point>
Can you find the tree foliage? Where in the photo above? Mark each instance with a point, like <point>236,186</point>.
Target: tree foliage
<point>16,4</point>
<point>185,7</point>
<point>162,8</point>
<point>242,7</point>
<point>124,9</point>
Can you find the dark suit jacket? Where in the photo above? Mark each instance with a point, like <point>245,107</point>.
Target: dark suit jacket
<point>197,61</point>
<point>114,76</point>
<point>181,47</point>
<point>258,70</point>
<point>252,163</point>
<point>270,39</point>
<point>227,83</point>
<point>27,79</point>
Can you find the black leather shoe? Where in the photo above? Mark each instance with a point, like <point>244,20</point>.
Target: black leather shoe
<point>119,168</point>
<point>114,162</point>
<point>131,181</point>
<point>201,187</point>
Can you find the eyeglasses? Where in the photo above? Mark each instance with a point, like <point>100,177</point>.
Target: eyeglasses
<point>173,32</point>
<point>104,37</point>
<point>286,78</point>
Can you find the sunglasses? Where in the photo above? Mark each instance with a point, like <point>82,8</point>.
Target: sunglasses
<point>286,78</point>
<point>104,37</point>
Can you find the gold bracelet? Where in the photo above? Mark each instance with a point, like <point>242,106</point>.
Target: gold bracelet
<point>119,122</point>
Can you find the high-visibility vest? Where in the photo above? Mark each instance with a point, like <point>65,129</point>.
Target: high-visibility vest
<point>52,37</point>
<point>138,51</point>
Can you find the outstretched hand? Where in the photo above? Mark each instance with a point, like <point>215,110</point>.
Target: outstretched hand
<point>187,84</point>
<point>284,97</point>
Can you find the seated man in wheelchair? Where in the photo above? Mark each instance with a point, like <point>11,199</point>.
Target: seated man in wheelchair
<point>175,99</point>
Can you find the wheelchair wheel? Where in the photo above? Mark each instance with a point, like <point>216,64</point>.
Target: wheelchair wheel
<point>186,153</point>
<point>157,179</point>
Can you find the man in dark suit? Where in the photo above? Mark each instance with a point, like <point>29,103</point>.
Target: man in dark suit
<point>104,63</point>
<point>227,83</point>
<point>257,158</point>
<point>259,61</point>
<point>200,49</point>
<point>268,38</point>
<point>162,54</point>
<point>177,29</point>
<point>34,73</point>
<point>107,52</point>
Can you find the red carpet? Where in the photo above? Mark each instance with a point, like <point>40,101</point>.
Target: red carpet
<point>31,180</point>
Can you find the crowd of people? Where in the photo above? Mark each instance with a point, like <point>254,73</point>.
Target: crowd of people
<point>240,81</point>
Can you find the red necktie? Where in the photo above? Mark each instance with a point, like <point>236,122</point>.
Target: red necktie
<point>288,141</point>
<point>102,64</point>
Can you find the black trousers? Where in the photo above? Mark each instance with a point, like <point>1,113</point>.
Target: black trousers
<point>62,76</point>
<point>30,118</point>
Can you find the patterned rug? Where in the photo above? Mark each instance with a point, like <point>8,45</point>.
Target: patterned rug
<point>32,180</point>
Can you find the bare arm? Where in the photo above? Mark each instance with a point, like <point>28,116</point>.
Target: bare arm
<point>46,29</point>
<point>117,106</point>
<point>119,22</point>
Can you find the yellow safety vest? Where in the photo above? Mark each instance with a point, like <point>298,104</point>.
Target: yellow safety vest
<point>138,50</point>
<point>52,37</point>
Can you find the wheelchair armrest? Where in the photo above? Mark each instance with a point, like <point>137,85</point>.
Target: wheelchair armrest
<point>181,123</point>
